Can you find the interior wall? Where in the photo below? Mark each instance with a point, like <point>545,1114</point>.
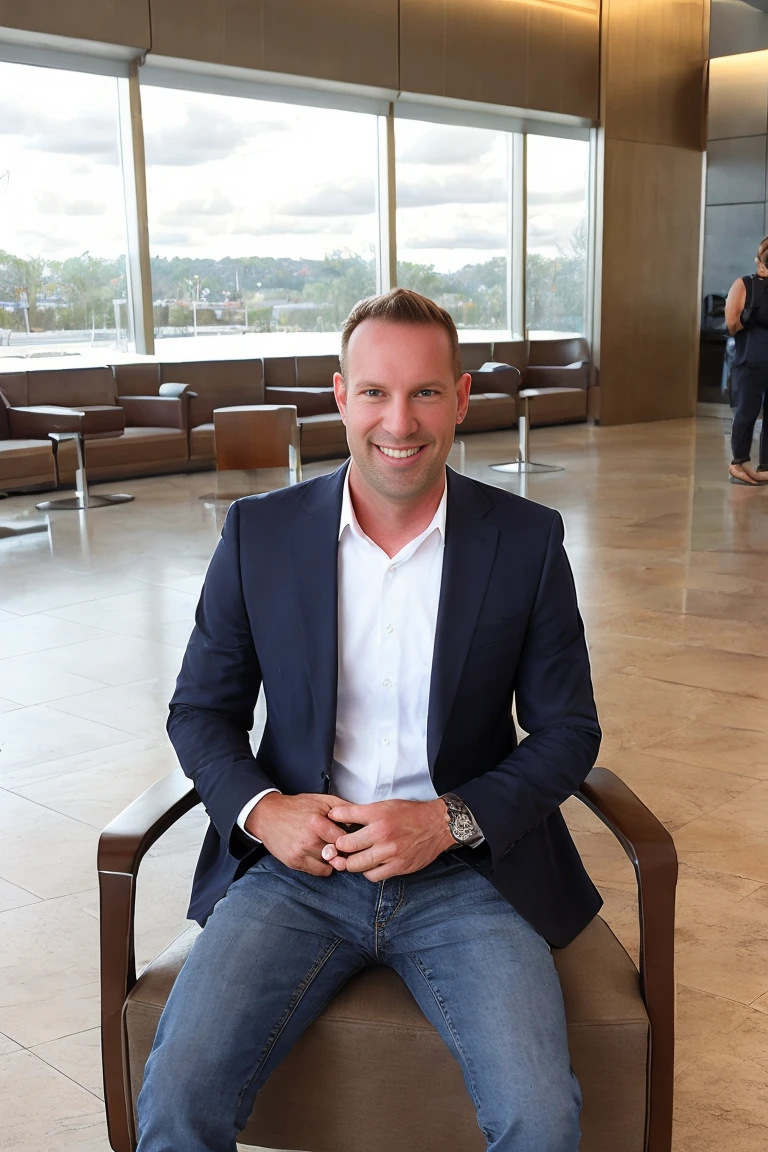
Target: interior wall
<point>525,54</point>
<point>652,110</point>
<point>108,21</point>
<point>341,40</point>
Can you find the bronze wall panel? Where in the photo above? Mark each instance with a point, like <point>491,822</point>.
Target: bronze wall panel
<point>342,40</point>
<point>525,54</point>
<point>650,309</point>
<point>654,52</point>
<point>109,21</point>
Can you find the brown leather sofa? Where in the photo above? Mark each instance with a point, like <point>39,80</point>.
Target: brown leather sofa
<point>556,378</point>
<point>371,1046</point>
<point>307,382</point>
<point>207,384</point>
<point>173,431</point>
<point>132,436</point>
<point>25,461</point>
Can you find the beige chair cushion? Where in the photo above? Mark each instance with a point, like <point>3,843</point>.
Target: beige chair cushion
<point>372,1047</point>
<point>24,463</point>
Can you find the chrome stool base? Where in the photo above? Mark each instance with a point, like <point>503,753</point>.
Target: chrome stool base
<point>518,466</point>
<point>81,503</point>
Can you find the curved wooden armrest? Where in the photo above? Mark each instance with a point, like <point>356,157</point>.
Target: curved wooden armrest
<point>127,838</point>
<point>652,851</point>
<point>122,846</point>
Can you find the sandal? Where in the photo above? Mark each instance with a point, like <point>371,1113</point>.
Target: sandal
<point>749,482</point>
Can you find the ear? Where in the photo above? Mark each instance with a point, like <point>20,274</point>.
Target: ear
<point>340,392</point>
<point>462,394</point>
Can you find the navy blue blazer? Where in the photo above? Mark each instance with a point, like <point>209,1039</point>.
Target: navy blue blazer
<point>508,627</point>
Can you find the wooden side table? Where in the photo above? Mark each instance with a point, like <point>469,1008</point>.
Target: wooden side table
<point>252,436</point>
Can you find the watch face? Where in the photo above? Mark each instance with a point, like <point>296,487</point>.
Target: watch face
<point>462,827</point>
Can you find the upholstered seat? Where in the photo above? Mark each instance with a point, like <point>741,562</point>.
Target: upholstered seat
<point>372,1043</point>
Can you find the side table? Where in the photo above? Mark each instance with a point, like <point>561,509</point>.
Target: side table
<point>522,463</point>
<point>81,500</point>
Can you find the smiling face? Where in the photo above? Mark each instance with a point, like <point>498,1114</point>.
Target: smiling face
<point>400,404</point>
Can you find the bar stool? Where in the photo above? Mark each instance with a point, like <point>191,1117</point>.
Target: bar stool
<point>522,463</point>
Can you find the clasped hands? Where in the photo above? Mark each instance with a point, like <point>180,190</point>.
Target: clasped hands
<point>397,836</point>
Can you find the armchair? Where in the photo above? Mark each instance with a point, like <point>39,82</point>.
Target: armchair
<point>328,1098</point>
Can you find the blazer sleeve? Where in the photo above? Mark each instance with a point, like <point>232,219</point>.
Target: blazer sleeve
<point>555,706</point>
<point>211,711</point>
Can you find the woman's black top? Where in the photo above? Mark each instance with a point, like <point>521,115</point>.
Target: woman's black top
<point>752,339</point>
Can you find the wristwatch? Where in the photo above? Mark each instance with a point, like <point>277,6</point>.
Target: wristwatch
<point>462,824</point>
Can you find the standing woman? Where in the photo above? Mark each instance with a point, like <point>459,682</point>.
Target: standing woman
<point>746,315</point>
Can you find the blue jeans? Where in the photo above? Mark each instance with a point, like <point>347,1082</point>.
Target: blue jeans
<point>281,944</point>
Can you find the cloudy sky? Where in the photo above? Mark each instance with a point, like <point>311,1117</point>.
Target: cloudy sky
<point>236,177</point>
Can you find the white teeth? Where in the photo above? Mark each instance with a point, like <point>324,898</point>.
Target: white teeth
<point>398,453</point>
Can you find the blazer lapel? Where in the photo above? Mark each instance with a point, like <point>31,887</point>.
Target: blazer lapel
<point>470,550</point>
<point>314,548</point>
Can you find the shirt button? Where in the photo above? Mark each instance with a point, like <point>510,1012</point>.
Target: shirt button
<point>390,628</point>
<point>391,569</point>
<point>387,683</point>
<point>385,740</point>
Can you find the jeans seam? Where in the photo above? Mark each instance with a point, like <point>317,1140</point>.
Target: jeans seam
<point>454,1034</point>
<point>279,1028</point>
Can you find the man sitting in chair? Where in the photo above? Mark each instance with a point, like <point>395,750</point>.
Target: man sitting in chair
<point>392,611</point>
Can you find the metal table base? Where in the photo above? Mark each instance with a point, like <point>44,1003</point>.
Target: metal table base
<point>523,464</point>
<point>82,500</point>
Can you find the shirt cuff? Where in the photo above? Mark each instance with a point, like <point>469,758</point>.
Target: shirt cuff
<point>246,810</point>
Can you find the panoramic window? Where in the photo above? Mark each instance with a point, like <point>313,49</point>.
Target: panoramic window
<point>62,219</point>
<point>556,264</point>
<point>262,216</point>
<point>452,219</point>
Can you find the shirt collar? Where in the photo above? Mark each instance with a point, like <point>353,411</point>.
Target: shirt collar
<point>349,520</point>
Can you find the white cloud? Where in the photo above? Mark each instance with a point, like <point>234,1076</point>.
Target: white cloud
<point>52,204</point>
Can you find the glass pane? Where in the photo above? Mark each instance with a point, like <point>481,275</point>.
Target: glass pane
<point>262,216</point>
<point>62,218</point>
<point>452,227</point>
<point>556,265</point>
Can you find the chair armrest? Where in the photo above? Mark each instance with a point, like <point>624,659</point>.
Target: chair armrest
<point>153,411</point>
<point>494,377</point>
<point>171,389</point>
<point>34,423</point>
<point>122,846</point>
<point>652,851</point>
<point>558,375</point>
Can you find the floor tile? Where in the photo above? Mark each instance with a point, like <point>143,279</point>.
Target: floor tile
<point>35,735</point>
<point>14,778</point>
<point>25,634</point>
<point>78,1057</point>
<point>50,979</point>
<point>42,1109</point>
<point>133,613</point>
<point>96,795</point>
<point>35,679</point>
<point>140,708</point>
<point>11,896</point>
<point>28,831</point>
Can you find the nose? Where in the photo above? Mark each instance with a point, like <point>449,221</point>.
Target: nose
<point>400,421</point>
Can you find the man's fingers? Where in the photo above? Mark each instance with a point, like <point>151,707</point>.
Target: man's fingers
<point>316,867</point>
<point>352,813</point>
<point>383,872</point>
<point>355,841</point>
<point>371,858</point>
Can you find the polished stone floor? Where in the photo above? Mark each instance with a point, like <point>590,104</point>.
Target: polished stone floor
<point>671,564</point>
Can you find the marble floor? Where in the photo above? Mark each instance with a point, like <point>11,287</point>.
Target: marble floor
<point>671,566</point>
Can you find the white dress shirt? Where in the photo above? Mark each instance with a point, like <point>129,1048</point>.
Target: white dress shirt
<point>386,638</point>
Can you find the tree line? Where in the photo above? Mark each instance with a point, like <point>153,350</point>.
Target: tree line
<point>280,292</point>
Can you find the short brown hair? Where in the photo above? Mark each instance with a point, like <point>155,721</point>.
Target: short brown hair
<point>762,251</point>
<point>401,306</point>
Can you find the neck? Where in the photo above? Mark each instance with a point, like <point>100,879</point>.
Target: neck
<point>392,523</point>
